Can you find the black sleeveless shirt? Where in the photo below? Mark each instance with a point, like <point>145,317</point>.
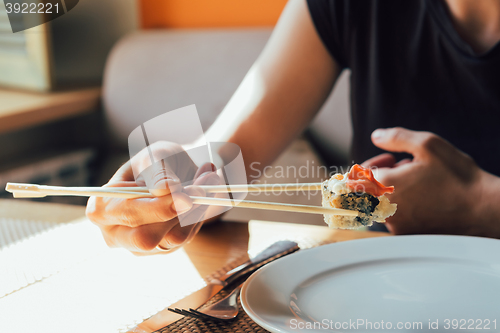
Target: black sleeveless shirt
<point>410,68</point>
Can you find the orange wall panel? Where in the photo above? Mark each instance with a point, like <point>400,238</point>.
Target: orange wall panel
<point>209,13</point>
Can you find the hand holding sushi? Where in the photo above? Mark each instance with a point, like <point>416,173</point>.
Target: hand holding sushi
<point>441,190</point>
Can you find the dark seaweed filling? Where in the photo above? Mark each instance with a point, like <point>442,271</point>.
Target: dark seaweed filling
<point>363,202</point>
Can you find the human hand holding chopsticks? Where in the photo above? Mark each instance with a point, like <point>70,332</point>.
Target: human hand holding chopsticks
<point>161,215</point>
<point>142,224</point>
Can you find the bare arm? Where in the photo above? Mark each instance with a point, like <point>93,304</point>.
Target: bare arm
<point>279,96</point>
<point>281,93</point>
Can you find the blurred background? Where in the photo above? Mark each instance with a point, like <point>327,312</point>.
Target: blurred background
<point>72,90</point>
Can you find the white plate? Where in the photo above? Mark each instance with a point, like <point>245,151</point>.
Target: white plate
<point>448,282</point>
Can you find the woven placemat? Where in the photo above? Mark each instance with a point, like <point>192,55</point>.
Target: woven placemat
<point>242,323</point>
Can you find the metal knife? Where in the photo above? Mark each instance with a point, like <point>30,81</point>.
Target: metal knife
<point>200,297</point>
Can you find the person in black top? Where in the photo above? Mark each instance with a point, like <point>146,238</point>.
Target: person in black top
<point>425,98</point>
<point>410,67</point>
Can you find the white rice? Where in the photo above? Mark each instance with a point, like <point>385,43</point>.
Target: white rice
<point>333,189</point>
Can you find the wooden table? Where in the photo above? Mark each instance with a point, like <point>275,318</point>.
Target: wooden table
<point>20,109</point>
<point>216,245</point>
<point>219,243</point>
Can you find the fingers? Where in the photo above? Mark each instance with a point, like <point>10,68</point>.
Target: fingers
<point>139,225</point>
<point>196,214</point>
<point>403,162</point>
<point>137,212</point>
<point>424,146</point>
<point>403,140</point>
<point>162,166</point>
<point>207,178</point>
<point>121,183</point>
<point>385,160</point>
<point>177,236</point>
<point>188,224</point>
<point>207,167</point>
<point>145,238</point>
<point>205,175</point>
<point>160,179</point>
<point>386,176</point>
<point>154,153</point>
<point>140,239</point>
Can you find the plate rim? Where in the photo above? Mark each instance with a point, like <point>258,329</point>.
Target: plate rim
<point>262,323</point>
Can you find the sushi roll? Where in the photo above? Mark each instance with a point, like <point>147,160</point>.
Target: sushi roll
<point>357,190</point>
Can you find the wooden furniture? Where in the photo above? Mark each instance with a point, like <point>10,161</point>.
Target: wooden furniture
<point>20,109</point>
<point>217,245</point>
<point>38,211</point>
<point>39,55</point>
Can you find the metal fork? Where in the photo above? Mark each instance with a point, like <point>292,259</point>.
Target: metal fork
<point>224,309</point>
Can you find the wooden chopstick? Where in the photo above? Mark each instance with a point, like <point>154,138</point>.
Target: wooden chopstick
<point>283,207</point>
<point>243,188</point>
<point>39,191</point>
<point>207,188</point>
<point>262,187</point>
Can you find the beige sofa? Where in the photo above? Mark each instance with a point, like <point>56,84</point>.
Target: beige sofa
<point>150,73</point>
